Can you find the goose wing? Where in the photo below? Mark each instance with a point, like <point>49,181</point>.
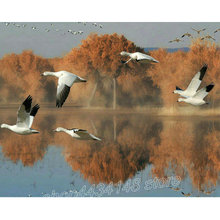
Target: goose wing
<point>202,93</point>
<point>84,134</point>
<point>34,111</point>
<point>80,131</point>
<point>196,80</point>
<point>145,57</point>
<point>63,89</point>
<point>23,113</point>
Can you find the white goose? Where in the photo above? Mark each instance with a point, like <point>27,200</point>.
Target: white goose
<point>197,99</point>
<point>25,118</point>
<point>139,57</point>
<point>65,82</point>
<point>194,84</point>
<point>78,133</point>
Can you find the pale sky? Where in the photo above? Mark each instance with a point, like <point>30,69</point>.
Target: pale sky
<point>54,43</point>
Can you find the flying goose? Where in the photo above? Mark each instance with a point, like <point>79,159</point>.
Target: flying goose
<point>25,118</point>
<point>217,30</point>
<point>198,31</point>
<point>139,57</point>
<point>187,35</point>
<point>175,40</point>
<point>65,82</point>
<point>197,99</point>
<point>78,133</point>
<point>207,37</point>
<point>194,84</point>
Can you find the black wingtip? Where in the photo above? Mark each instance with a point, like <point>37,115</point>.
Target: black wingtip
<point>122,61</point>
<point>27,103</point>
<point>203,71</point>
<point>209,87</point>
<point>177,88</point>
<point>61,98</point>
<point>34,110</point>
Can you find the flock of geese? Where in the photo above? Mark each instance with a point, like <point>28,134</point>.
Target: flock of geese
<point>198,31</point>
<point>53,28</point>
<point>191,94</point>
<point>26,114</point>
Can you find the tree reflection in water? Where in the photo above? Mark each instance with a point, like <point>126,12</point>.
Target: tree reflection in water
<point>131,142</point>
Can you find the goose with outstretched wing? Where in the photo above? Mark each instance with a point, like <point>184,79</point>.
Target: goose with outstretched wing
<point>197,99</point>
<point>25,118</point>
<point>194,84</point>
<point>77,133</point>
<point>65,82</point>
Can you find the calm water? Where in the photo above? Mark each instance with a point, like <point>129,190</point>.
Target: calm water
<point>140,155</point>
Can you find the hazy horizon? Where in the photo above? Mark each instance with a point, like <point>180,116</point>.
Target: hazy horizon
<point>59,42</point>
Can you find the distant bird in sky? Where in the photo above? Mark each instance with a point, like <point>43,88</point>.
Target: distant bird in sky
<point>217,30</point>
<point>33,28</point>
<point>24,25</point>
<point>139,57</point>
<point>198,31</point>
<point>72,32</point>
<point>207,37</point>
<point>95,24</point>
<point>78,133</point>
<point>17,25</point>
<point>197,99</point>
<point>80,32</point>
<point>101,26</point>
<point>7,23</point>
<point>47,30</point>
<point>194,84</point>
<point>187,35</point>
<point>25,118</point>
<point>175,40</point>
<point>65,82</point>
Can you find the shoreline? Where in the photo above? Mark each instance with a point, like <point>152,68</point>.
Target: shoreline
<point>183,111</point>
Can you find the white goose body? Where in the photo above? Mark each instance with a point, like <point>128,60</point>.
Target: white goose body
<point>65,82</point>
<point>197,99</point>
<point>194,84</point>
<point>25,118</point>
<point>78,133</point>
<point>139,57</point>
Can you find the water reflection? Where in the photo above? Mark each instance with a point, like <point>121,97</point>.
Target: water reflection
<point>132,143</point>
